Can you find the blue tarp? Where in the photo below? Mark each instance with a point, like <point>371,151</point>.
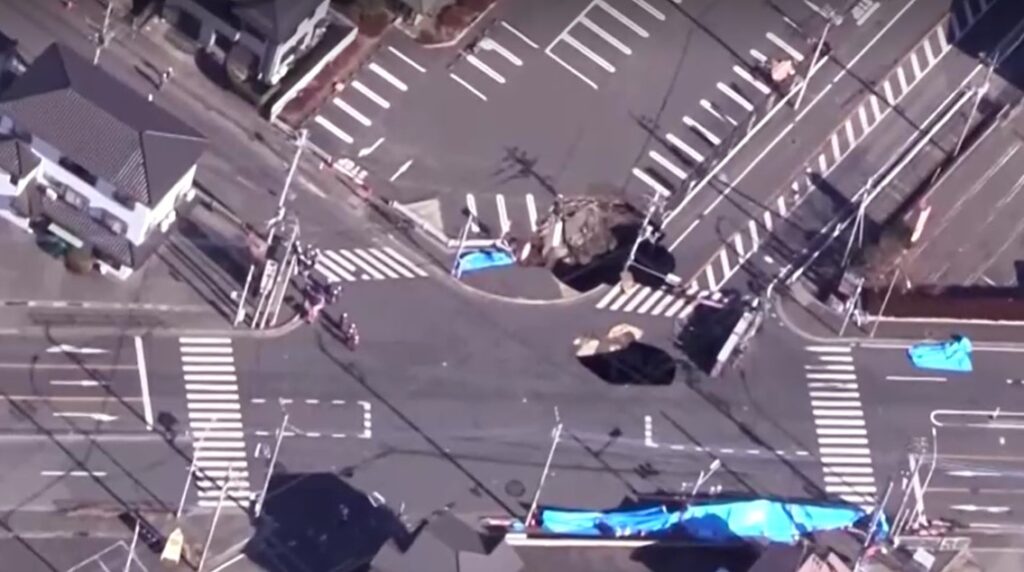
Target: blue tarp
<point>484,259</point>
<point>952,355</point>
<point>718,521</point>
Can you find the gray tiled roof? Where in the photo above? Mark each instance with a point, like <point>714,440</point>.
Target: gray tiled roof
<point>276,19</point>
<point>102,124</point>
<point>15,157</point>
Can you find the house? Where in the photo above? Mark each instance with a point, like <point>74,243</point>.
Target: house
<point>86,158</point>
<point>267,36</point>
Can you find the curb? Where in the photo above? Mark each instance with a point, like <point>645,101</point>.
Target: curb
<point>532,301</point>
<point>791,325</point>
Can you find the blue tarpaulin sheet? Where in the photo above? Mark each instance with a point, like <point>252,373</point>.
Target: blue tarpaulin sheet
<point>952,355</point>
<point>484,259</point>
<point>748,519</point>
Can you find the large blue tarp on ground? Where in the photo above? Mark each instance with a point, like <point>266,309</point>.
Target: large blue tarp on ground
<point>771,520</point>
<point>484,259</point>
<point>952,355</point>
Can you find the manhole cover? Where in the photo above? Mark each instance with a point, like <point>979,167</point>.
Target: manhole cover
<point>515,488</point>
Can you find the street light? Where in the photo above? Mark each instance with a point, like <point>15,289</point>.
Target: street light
<point>705,475</point>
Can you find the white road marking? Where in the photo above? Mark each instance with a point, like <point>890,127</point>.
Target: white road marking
<point>622,18</point>
<point>334,129</point>
<point>615,291</point>
<point>709,274</point>
<point>572,70</point>
<point>370,94</point>
<point>407,59</point>
<point>738,243</point>
<point>531,211</point>
<point>793,53</point>
<point>735,96</point>
<point>890,97</point>
<point>902,76</point>
<point>864,122</point>
<point>682,146</point>
<point>73,473</point>
<point>589,53</point>
<point>829,349</point>
<point>403,168</point>
<point>876,107</point>
<point>723,260</point>
<point>780,203</point>
<point>521,36</point>
<point>375,68</point>
<point>503,222</point>
<point>471,207</point>
<point>914,63</point>
<point>147,402</point>
<point>851,136</point>
<point>372,271</point>
<point>650,9</point>
<point>372,262</point>
<point>761,58</point>
<point>710,108</point>
<point>667,165</point>
<point>831,376</point>
<point>488,70</point>
<point>395,255</point>
<point>751,79</point>
<point>860,431</point>
<point>467,86</point>
<point>822,164</point>
<point>836,150</point>
<point>341,103</point>
<point>693,124</point>
<point>491,44</point>
<point>387,261</point>
<point>915,378</point>
<point>651,182</point>
<point>603,34</point>
<point>330,266</point>
<point>754,238</point>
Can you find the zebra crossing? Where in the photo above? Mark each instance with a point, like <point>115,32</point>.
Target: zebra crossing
<point>215,420</point>
<point>655,300</point>
<point>839,425</point>
<point>359,264</point>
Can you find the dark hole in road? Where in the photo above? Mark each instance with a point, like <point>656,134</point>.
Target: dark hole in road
<point>707,330</point>
<point>635,364</point>
<point>515,488</point>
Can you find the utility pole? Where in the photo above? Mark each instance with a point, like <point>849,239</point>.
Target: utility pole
<point>103,35</point>
<point>885,302</point>
<point>814,62</point>
<point>216,517</point>
<point>555,436</point>
<point>135,541</point>
<point>270,471</point>
<point>300,146</point>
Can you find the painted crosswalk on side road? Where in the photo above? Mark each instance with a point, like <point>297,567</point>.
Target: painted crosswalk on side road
<point>357,264</point>
<point>215,420</point>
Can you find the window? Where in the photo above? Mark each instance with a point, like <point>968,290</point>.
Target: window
<point>78,171</point>
<point>114,224</point>
<point>74,199</point>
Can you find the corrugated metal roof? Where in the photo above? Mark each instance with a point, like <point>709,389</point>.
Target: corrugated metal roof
<point>102,124</point>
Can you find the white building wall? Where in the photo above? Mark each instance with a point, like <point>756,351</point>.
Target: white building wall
<point>165,207</point>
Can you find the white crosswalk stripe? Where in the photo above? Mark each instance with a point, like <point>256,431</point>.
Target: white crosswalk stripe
<point>843,445</point>
<point>215,420</point>
<point>651,301</point>
<point>356,264</point>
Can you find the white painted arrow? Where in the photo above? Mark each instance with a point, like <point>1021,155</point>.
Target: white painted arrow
<point>102,417</point>
<point>70,349</point>
<point>976,508</point>
<point>79,382</point>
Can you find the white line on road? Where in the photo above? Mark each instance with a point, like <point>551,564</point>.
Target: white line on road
<point>650,9</point>
<point>622,18</point>
<point>492,45</point>
<point>79,383</point>
<point>405,167</point>
<point>375,68</point>
<point>742,101</point>
<point>682,146</point>
<point>829,349</point>
<point>704,131</point>
<point>334,129</point>
<point>467,86</point>
<point>521,36</point>
<point>407,60</point>
<point>353,112</point>
<point>651,182</point>
<point>710,108</point>
<point>850,376</point>
<point>572,70</point>
<point>793,53</point>
<point>73,473</point>
<point>488,70</point>
<point>603,34</point>
<point>589,53</point>
<point>147,403</point>
<point>915,378</point>
<point>371,95</point>
<point>751,79</point>
<point>666,164</point>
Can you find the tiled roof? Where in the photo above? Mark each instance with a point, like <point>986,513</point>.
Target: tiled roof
<point>83,226</point>
<point>102,124</point>
<point>276,19</point>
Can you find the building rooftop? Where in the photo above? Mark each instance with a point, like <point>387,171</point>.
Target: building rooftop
<point>277,20</point>
<point>15,157</point>
<point>102,124</point>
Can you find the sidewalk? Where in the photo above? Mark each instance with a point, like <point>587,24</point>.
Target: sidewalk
<point>808,317</point>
